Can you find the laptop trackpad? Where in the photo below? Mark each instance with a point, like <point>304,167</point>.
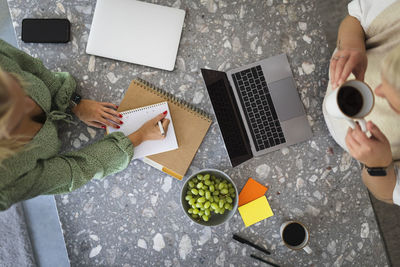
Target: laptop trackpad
<point>286,99</point>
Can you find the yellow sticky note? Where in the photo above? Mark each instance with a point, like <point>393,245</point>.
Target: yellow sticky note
<point>255,211</point>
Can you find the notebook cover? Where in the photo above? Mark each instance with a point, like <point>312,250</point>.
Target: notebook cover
<point>190,124</point>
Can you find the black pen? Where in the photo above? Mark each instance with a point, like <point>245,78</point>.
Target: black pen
<point>242,240</point>
<point>265,261</point>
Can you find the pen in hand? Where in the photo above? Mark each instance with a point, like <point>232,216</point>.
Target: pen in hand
<point>161,128</point>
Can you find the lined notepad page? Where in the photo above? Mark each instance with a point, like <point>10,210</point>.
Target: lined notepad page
<point>133,119</point>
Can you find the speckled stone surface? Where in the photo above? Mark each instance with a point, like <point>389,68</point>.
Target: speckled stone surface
<point>134,218</point>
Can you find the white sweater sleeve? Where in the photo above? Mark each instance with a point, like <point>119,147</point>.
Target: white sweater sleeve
<point>365,11</point>
<point>354,8</point>
<point>396,191</point>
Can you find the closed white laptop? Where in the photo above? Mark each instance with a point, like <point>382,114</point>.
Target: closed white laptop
<point>136,32</point>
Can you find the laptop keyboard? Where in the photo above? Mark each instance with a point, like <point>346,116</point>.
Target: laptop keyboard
<point>259,110</point>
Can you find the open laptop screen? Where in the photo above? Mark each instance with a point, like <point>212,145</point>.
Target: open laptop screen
<point>228,116</point>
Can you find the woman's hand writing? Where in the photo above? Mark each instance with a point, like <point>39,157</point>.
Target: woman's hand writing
<point>150,130</point>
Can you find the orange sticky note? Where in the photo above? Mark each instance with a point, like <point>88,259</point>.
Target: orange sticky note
<point>255,211</point>
<point>251,191</point>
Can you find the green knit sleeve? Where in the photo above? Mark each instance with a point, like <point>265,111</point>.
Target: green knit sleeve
<point>66,172</point>
<point>40,81</point>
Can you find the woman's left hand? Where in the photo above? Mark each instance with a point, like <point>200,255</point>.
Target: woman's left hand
<point>374,151</point>
<point>98,114</point>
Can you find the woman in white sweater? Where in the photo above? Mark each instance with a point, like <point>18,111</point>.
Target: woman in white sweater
<point>368,49</point>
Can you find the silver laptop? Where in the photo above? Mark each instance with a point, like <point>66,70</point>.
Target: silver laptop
<point>136,32</point>
<point>257,107</point>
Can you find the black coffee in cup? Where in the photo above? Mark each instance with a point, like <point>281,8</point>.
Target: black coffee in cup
<point>350,100</point>
<point>294,234</point>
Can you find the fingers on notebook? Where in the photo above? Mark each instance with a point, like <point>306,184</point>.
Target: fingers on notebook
<point>159,117</point>
<point>112,119</point>
<point>165,123</point>
<point>113,112</point>
<point>110,105</point>
<point>96,124</point>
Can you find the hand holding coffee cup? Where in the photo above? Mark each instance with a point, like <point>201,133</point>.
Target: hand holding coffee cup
<point>352,101</point>
<point>295,236</point>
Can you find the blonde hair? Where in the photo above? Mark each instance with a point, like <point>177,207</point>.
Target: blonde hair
<point>8,145</point>
<point>391,68</point>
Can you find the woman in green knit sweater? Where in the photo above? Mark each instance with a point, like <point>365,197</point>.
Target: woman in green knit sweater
<point>32,101</point>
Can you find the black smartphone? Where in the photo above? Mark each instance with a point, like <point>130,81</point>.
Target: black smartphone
<point>46,30</point>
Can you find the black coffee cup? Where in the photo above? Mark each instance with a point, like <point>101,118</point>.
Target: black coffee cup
<point>295,235</point>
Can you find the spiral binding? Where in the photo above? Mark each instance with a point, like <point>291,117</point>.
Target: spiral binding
<point>142,108</point>
<point>168,96</point>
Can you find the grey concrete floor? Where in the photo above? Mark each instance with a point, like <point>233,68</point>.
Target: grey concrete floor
<point>388,216</point>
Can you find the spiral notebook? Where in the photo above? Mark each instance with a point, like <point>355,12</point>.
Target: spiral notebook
<point>135,118</point>
<point>190,126</point>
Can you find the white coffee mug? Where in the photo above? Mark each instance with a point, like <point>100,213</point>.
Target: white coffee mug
<point>303,244</point>
<point>368,101</point>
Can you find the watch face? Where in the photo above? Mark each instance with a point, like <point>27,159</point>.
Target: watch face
<point>376,171</point>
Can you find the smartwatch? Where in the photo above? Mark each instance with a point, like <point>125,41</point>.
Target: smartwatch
<point>75,99</point>
<point>377,171</point>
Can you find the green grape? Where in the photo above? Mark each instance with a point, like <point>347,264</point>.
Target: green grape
<point>215,193</point>
<point>201,192</point>
<point>192,201</point>
<point>229,200</point>
<point>195,216</point>
<point>190,211</point>
<point>207,212</point>
<point>207,182</point>
<point>202,208</point>
<point>224,191</point>
<point>195,211</point>
<point>230,207</point>
<point>221,186</point>
<point>201,199</point>
<point>205,218</point>
<point>208,195</point>
<point>211,199</point>
<point>200,177</point>
<point>199,185</point>
<point>216,199</point>
<point>212,188</point>
<point>188,197</point>
<point>221,203</point>
<point>207,204</point>
<point>217,181</point>
<point>216,211</point>
<point>231,190</point>
<point>227,205</point>
<point>213,177</point>
<point>199,205</point>
<point>214,206</point>
<point>230,186</point>
<point>201,213</point>
<point>191,184</point>
<point>189,193</point>
<point>221,210</point>
<point>206,177</point>
<point>194,191</point>
<point>204,187</point>
<point>233,195</point>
